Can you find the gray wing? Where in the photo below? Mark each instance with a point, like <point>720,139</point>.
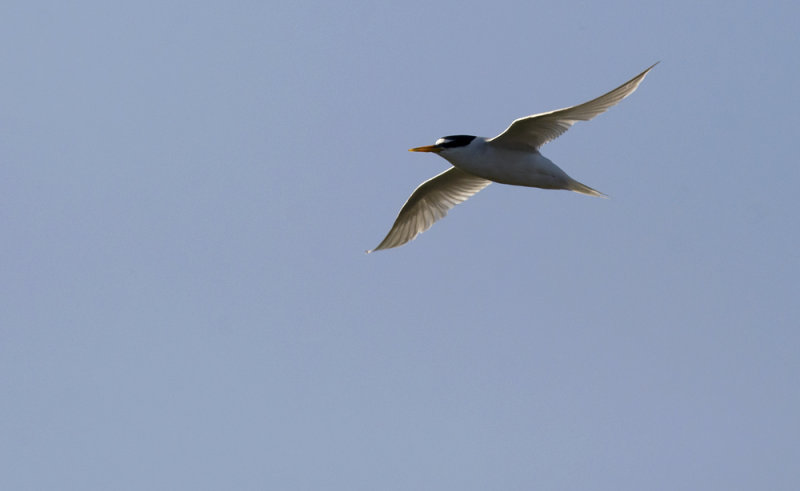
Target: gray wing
<point>534,131</point>
<point>430,202</point>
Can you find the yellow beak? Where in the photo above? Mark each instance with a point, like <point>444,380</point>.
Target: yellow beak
<point>429,148</point>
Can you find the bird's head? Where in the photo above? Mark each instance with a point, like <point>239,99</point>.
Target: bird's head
<point>446,144</point>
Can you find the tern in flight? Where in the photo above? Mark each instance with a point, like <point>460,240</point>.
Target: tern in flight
<point>512,157</point>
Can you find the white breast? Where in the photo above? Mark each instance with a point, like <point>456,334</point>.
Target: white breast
<point>507,166</point>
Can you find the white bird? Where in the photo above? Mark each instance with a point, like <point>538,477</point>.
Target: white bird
<point>512,157</point>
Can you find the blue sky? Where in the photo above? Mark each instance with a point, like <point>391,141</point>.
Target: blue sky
<point>187,190</point>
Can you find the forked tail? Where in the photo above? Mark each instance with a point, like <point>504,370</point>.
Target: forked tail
<point>584,189</point>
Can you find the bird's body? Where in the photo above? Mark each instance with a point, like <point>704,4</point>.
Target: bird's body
<point>514,166</point>
<point>511,157</point>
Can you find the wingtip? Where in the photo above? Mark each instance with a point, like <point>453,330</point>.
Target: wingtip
<point>652,66</point>
<point>378,248</point>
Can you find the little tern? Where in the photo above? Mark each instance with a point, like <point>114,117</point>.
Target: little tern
<point>512,157</point>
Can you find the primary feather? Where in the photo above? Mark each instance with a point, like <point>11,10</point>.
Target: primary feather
<point>534,131</point>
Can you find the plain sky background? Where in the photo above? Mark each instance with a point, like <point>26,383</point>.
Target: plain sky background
<point>187,190</point>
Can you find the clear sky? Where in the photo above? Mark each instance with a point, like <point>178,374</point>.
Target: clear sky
<point>187,190</point>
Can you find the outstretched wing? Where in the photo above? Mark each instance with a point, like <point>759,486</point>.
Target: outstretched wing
<point>430,202</point>
<point>534,131</point>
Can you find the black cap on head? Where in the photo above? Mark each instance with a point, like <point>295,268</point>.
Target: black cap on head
<point>453,141</point>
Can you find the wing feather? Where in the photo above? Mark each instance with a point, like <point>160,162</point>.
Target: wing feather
<point>534,131</point>
<point>429,203</point>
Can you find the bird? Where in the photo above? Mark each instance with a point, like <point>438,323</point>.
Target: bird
<point>512,157</point>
